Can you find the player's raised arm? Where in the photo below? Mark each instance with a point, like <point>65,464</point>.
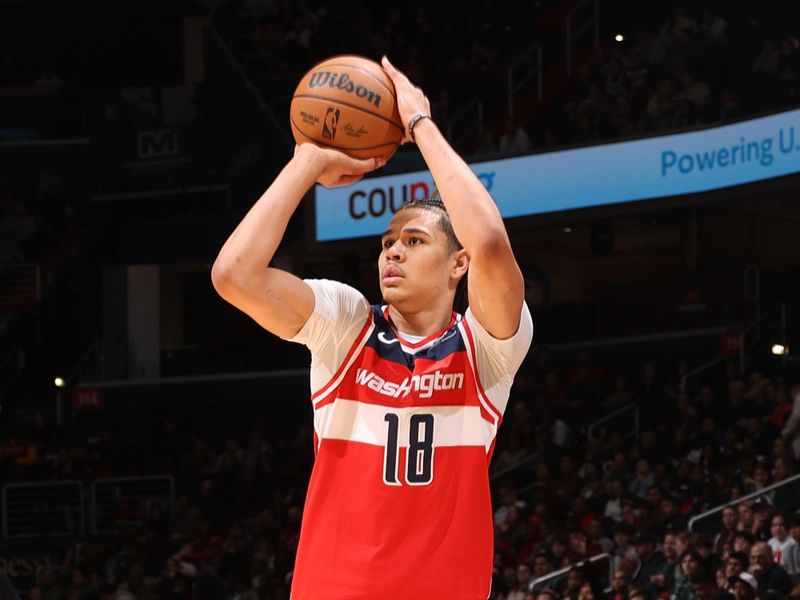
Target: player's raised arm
<point>279,301</point>
<point>496,286</point>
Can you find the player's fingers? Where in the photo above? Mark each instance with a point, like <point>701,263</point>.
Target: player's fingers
<point>395,73</point>
<point>347,180</point>
<point>361,166</point>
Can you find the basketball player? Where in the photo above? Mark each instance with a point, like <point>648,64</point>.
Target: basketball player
<point>407,395</point>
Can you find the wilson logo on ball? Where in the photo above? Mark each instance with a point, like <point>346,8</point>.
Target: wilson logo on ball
<point>330,123</point>
<point>342,81</point>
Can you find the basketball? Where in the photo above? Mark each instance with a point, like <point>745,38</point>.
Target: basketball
<point>347,103</point>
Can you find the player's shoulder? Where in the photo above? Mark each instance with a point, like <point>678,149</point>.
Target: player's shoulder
<point>334,297</point>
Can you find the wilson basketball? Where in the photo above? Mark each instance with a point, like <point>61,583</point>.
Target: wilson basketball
<point>347,103</point>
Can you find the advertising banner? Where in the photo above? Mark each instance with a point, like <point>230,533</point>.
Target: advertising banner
<point>669,165</point>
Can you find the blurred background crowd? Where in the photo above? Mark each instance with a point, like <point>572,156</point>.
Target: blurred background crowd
<point>605,467</point>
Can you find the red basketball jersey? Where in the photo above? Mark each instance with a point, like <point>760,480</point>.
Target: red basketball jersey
<point>398,505</point>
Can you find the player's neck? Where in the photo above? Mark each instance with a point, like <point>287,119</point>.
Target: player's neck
<point>422,322</point>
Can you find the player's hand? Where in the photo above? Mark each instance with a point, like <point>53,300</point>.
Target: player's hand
<point>334,168</point>
<point>411,101</point>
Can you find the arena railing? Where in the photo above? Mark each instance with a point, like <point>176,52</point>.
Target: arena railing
<point>516,83</point>
<point>575,29</point>
<point>119,503</point>
<point>536,583</point>
<point>752,496</point>
<point>472,115</point>
<point>43,509</point>
<point>613,415</point>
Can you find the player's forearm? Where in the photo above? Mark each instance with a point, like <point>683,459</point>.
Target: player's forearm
<point>476,220</point>
<point>253,243</point>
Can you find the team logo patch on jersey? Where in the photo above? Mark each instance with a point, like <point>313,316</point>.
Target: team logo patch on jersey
<point>424,384</point>
<point>382,337</point>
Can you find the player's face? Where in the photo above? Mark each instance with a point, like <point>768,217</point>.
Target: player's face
<point>415,264</point>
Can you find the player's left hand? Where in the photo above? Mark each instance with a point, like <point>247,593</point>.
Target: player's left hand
<point>411,101</point>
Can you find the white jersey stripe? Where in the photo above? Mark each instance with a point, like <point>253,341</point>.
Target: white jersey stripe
<point>366,423</point>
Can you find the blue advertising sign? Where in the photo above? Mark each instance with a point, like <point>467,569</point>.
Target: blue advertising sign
<point>669,165</point>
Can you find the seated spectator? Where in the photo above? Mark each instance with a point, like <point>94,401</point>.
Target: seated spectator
<point>688,562</point>
<point>653,563</point>
<point>785,550</point>
<point>542,565</point>
<point>770,577</point>
<point>696,92</point>
<point>714,26</point>
<point>514,139</point>
<point>520,590</point>
<point>743,586</point>
<point>620,585</point>
<point>743,541</point>
<point>723,543</point>
<point>705,587</point>
<point>737,563</point>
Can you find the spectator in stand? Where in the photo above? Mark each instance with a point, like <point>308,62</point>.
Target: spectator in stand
<point>624,551</point>
<point>746,516</point>
<point>643,480</point>
<point>737,563</point>
<point>743,586</point>
<point>723,543</point>
<point>696,92</point>
<point>689,561</point>
<point>620,585</point>
<point>770,577</point>
<point>652,561</point>
<point>523,575</point>
<point>785,550</point>
<point>788,496</point>
<point>515,139</point>
<point>671,519</point>
<point>613,509</point>
<point>704,586</point>
<point>542,565</point>
<point>743,541</point>
<point>572,584</point>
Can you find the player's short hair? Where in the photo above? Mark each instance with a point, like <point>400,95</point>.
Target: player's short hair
<point>434,203</point>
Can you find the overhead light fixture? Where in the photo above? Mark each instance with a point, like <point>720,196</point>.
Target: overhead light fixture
<point>567,229</point>
<point>780,349</point>
<point>59,382</point>
<point>619,37</point>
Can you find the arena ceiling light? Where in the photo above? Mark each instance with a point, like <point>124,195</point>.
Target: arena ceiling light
<point>619,37</point>
<point>780,350</point>
<point>59,382</point>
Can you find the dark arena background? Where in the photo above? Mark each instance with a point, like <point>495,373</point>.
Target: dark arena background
<point>156,443</point>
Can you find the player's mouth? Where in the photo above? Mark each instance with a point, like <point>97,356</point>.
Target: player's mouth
<point>391,275</point>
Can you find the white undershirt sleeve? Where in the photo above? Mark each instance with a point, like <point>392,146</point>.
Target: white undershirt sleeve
<point>498,360</point>
<point>340,313</point>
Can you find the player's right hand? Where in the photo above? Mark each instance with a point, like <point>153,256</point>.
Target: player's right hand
<point>333,168</point>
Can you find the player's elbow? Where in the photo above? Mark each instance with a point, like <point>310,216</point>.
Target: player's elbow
<point>224,277</point>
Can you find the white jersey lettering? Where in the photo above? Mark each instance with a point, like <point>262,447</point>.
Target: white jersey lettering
<point>424,384</point>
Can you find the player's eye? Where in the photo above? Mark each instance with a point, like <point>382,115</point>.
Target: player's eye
<point>387,243</point>
<point>413,241</point>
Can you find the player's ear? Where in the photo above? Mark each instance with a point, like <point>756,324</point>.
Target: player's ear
<point>460,263</point>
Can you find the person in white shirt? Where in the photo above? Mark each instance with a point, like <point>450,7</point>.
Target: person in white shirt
<point>785,550</point>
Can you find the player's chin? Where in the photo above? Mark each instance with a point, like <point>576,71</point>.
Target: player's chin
<point>390,293</point>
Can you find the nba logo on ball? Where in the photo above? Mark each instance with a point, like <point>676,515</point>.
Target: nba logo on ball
<point>329,124</point>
